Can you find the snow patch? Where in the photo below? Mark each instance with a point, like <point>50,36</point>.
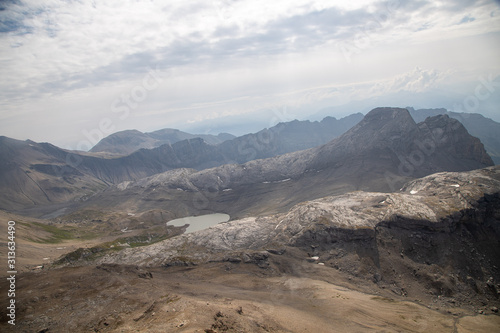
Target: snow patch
<point>413,192</point>
<point>278,224</point>
<point>122,186</point>
<point>278,181</point>
<point>455,185</point>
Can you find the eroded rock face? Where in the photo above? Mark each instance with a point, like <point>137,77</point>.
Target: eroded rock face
<point>437,203</point>
<point>380,154</point>
<point>439,234</point>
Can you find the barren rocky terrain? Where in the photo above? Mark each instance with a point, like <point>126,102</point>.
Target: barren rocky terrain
<point>344,237</point>
<point>423,259</point>
<point>228,297</point>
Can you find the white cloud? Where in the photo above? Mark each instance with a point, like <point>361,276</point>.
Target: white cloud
<point>417,80</point>
<point>223,58</point>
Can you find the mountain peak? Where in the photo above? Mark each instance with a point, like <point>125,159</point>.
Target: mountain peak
<point>388,117</point>
<point>386,113</point>
<point>381,127</point>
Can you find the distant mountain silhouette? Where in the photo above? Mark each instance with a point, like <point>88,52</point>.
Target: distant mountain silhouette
<point>129,141</point>
<point>280,139</point>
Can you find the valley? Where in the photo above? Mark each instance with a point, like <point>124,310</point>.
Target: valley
<point>390,226</point>
<point>248,166</point>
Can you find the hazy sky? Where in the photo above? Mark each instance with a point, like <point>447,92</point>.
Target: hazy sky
<point>72,71</point>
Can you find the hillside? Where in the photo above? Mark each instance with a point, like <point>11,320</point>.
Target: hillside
<point>426,257</point>
<point>487,130</point>
<point>386,149</point>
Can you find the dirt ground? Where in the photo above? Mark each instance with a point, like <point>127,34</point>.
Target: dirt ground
<point>37,245</point>
<point>217,297</point>
<point>290,295</point>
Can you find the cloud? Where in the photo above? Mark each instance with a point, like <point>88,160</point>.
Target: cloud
<point>230,57</point>
<point>417,80</point>
<point>80,41</point>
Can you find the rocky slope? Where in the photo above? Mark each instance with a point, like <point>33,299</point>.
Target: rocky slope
<point>487,130</point>
<point>34,174</point>
<point>383,151</point>
<point>436,203</point>
<point>386,149</point>
<point>436,240</point>
<point>425,258</point>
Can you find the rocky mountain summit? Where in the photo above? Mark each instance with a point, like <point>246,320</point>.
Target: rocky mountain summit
<point>382,152</point>
<point>487,130</point>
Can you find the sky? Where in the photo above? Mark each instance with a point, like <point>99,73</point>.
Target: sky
<point>72,72</point>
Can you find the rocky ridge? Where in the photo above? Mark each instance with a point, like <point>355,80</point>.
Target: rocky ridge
<point>438,201</point>
<point>476,124</point>
<point>436,238</point>
<point>384,151</point>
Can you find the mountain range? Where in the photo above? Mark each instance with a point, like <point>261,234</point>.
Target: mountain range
<point>382,152</point>
<point>126,142</point>
<point>280,139</point>
<point>290,136</point>
<point>392,224</point>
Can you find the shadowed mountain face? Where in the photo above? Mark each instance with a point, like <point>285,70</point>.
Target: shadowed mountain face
<point>386,149</point>
<point>487,130</point>
<point>34,174</point>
